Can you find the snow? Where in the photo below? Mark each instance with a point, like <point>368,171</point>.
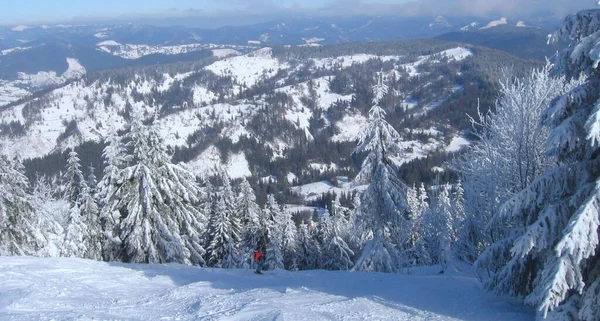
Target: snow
<point>469,26</point>
<point>457,144</point>
<point>222,53</point>
<point>313,190</point>
<point>15,49</point>
<point>495,23</point>
<point>108,43</point>
<point>249,69</point>
<point>45,78</point>
<point>457,54</point>
<point>209,161</point>
<point>69,289</point>
<point>347,61</point>
<point>348,128</point>
<point>20,28</point>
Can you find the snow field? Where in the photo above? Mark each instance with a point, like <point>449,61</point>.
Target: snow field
<point>77,289</point>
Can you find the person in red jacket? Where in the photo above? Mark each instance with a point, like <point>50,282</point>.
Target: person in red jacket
<point>259,258</point>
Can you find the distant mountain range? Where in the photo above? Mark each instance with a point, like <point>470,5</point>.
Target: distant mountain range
<point>34,57</point>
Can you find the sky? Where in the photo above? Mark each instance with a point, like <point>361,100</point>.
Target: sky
<point>54,11</point>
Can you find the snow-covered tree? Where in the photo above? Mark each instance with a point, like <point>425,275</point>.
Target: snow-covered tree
<point>84,238</point>
<point>90,213</point>
<point>157,202</point>
<point>18,235</point>
<point>50,214</point>
<point>275,252</point>
<point>115,159</point>
<point>509,155</point>
<point>288,239</point>
<point>308,249</point>
<point>74,244</point>
<point>550,254</point>
<point>253,231</point>
<point>92,181</point>
<point>222,250</point>
<point>336,252</point>
<point>73,178</point>
<point>381,217</point>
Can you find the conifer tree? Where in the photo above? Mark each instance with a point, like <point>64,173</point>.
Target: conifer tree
<point>252,231</point>
<point>157,202</point>
<point>17,219</point>
<point>115,159</point>
<point>382,214</point>
<point>550,252</point>
<point>274,255</point>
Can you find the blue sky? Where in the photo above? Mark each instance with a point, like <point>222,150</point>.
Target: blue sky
<point>32,11</point>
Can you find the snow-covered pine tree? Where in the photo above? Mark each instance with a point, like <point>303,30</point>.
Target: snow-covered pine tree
<point>73,178</point>
<point>509,154</point>
<point>90,213</point>
<point>18,234</point>
<point>553,258</point>
<point>229,201</point>
<point>74,244</point>
<point>288,239</point>
<point>50,214</point>
<point>85,238</point>
<point>157,201</point>
<point>92,181</point>
<point>382,214</point>
<point>274,255</point>
<point>336,252</point>
<point>308,250</point>
<point>252,231</point>
<point>222,250</point>
<point>115,159</point>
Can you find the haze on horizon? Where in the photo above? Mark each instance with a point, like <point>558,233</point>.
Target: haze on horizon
<point>213,13</point>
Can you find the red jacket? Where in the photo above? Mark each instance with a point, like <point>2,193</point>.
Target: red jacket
<point>257,255</point>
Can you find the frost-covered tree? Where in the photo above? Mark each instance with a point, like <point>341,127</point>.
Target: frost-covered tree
<point>222,250</point>
<point>253,231</point>
<point>275,251</point>
<point>92,181</point>
<point>288,239</point>
<point>308,248</point>
<point>74,244</point>
<point>550,255</point>
<point>159,221</point>
<point>73,178</point>
<point>115,159</point>
<point>381,217</point>
<point>50,214</point>
<point>18,233</point>
<point>509,154</point>
<point>336,252</point>
<point>84,238</point>
<point>90,213</point>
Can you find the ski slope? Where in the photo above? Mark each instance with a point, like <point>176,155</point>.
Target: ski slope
<point>77,289</point>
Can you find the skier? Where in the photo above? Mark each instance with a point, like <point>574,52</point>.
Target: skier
<point>259,258</point>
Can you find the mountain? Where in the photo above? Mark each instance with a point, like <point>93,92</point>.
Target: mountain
<point>286,116</point>
<point>523,42</point>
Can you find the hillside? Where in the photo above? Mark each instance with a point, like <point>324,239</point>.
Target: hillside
<point>523,42</point>
<point>289,114</point>
<point>66,288</point>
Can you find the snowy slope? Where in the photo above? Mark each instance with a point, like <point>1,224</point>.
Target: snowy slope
<point>76,289</point>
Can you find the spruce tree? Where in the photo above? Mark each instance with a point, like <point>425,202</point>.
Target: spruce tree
<point>382,215</point>
<point>550,252</point>
<point>18,234</point>
<point>157,201</point>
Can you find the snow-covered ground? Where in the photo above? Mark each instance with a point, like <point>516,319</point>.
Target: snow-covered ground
<point>76,289</point>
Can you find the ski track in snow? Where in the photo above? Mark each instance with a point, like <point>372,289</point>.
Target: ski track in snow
<point>77,289</point>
